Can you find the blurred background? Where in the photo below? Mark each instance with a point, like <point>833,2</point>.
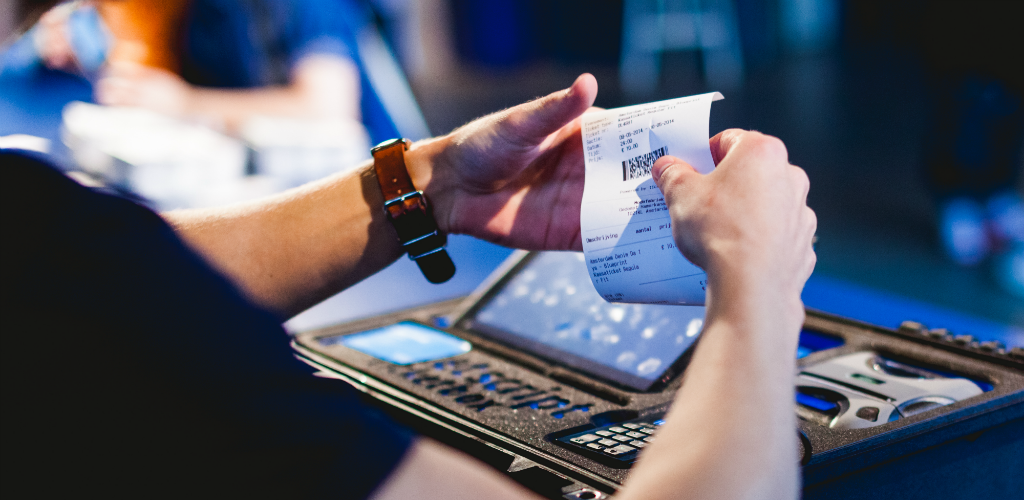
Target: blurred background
<point>907,116</point>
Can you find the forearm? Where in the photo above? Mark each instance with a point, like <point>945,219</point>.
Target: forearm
<point>731,431</point>
<point>234,106</point>
<point>321,86</point>
<point>431,471</point>
<point>292,250</point>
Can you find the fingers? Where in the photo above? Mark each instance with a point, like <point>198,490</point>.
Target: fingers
<point>669,170</point>
<point>811,259</point>
<point>803,183</point>
<point>530,123</point>
<point>124,69</point>
<point>722,142</point>
<point>111,92</point>
<point>762,146</point>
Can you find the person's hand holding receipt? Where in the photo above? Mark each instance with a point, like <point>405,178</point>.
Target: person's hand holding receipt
<point>748,226</point>
<point>746,223</point>
<point>517,178</point>
<point>514,177</point>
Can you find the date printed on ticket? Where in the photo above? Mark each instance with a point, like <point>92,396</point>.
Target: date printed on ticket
<point>627,232</point>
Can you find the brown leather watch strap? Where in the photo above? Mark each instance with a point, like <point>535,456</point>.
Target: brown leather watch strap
<point>410,213</point>
<point>393,176</point>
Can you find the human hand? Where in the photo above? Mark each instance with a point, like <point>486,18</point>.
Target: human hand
<point>131,84</point>
<point>747,223</point>
<point>514,177</point>
<point>51,39</point>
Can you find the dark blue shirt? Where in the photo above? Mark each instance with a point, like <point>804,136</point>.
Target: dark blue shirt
<point>256,43</point>
<point>131,369</point>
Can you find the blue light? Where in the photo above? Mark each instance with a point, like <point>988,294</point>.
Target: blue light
<point>813,402</point>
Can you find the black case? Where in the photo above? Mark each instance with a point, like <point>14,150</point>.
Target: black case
<point>512,426</point>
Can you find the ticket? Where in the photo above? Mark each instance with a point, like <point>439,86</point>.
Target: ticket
<point>626,228</point>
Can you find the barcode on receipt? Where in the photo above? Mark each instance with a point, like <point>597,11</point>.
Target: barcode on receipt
<point>640,166</point>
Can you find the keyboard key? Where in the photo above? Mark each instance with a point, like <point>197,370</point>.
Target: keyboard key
<point>607,442</point>
<point>595,446</point>
<point>631,426</point>
<point>638,444</point>
<point>619,430</point>
<point>622,439</point>
<point>584,439</point>
<point>604,433</point>
<point>635,435</point>
<point>649,439</point>
<point>619,450</point>
<point>647,430</point>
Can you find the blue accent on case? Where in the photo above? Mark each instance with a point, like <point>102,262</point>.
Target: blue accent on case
<point>403,343</point>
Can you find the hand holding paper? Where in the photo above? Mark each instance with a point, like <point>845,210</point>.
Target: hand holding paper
<point>626,228</point>
<point>747,223</point>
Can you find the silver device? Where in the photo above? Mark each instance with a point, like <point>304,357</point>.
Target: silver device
<point>865,389</point>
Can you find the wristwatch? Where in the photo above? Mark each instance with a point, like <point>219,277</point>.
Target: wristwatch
<point>409,212</point>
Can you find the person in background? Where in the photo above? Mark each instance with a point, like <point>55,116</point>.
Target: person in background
<point>221,61</point>
<point>69,38</point>
<point>143,354</point>
<point>243,58</point>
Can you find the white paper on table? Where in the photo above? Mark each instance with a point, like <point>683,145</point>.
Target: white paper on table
<point>627,232</point>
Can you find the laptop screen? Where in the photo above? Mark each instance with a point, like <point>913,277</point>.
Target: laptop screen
<point>550,309</point>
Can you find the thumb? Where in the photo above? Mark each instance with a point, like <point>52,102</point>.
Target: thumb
<point>669,170</point>
<point>531,122</point>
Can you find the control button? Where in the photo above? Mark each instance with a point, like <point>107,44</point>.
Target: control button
<point>635,435</point>
<point>991,345</point>
<point>659,422</point>
<point>595,446</point>
<point>869,413</point>
<point>637,444</point>
<point>649,439</point>
<point>963,339</point>
<point>619,430</point>
<point>939,333</point>
<point>647,430</point>
<point>622,439</point>
<point>604,433</point>
<point>913,327</point>
<point>631,426</point>
<point>1017,352</point>
<point>607,442</point>
<point>584,439</point>
<point>619,450</point>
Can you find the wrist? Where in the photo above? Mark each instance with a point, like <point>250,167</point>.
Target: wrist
<point>430,172</point>
<point>770,312</point>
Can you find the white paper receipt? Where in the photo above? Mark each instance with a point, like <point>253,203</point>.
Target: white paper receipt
<point>627,232</point>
